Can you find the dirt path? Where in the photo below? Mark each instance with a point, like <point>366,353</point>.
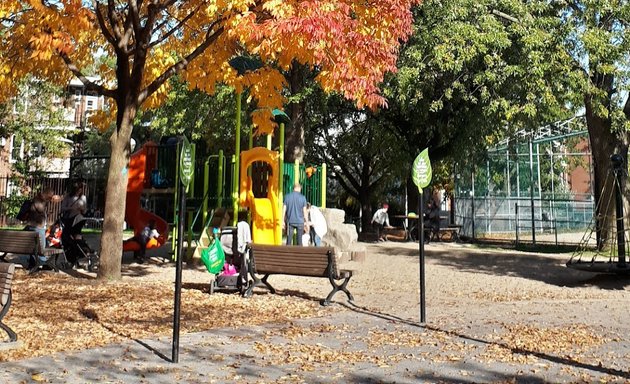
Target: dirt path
<point>464,284</point>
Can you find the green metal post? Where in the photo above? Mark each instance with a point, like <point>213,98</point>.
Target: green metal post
<point>323,185</point>
<point>220,179</point>
<point>237,151</point>
<point>251,139</point>
<point>206,186</point>
<point>281,169</point>
<point>296,171</point>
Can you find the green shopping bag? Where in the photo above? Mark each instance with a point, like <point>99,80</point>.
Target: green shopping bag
<point>213,257</point>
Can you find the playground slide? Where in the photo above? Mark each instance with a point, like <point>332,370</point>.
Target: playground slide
<point>266,224</point>
<point>135,216</point>
<point>263,223</point>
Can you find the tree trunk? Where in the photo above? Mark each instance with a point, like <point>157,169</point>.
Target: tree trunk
<point>294,145</point>
<point>115,200</point>
<point>603,144</point>
<point>366,210</point>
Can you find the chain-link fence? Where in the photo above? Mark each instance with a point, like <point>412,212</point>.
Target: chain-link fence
<point>534,187</point>
<point>523,219</point>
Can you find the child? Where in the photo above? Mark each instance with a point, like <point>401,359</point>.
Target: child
<point>149,232</point>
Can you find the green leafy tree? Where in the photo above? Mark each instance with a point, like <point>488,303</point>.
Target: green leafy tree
<point>35,117</point>
<point>363,154</point>
<point>597,38</point>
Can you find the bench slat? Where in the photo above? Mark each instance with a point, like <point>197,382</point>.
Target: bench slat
<point>18,242</point>
<point>6,279</point>
<point>291,260</point>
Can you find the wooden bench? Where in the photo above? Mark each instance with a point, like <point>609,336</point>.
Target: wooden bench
<point>7,270</point>
<point>295,260</point>
<point>450,233</point>
<point>27,243</point>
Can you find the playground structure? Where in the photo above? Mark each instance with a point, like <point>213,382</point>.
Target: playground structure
<point>152,193</point>
<point>152,175</point>
<point>533,188</point>
<point>262,198</point>
<point>135,216</point>
<point>258,180</point>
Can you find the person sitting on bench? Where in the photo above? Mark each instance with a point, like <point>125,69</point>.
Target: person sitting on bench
<point>38,220</point>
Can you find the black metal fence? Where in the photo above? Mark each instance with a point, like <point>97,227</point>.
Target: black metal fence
<point>14,191</point>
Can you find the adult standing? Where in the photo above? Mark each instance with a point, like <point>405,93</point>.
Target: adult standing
<point>317,223</point>
<point>294,212</point>
<point>381,219</point>
<point>73,207</point>
<point>433,219</point>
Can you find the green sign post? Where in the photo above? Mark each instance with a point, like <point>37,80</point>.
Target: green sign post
<point>186,170</point>
<point>421,173</point>
<point>186,166</point>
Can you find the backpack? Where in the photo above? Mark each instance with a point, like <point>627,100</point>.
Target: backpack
<point>24,211</point>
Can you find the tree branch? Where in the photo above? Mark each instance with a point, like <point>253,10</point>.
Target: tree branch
<point>87,82</point>
<point>182,64</point>
<point>101,22</point>
<point>114,20</point>
<point>174,29</point>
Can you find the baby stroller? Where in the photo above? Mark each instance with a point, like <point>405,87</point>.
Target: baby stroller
<point>234,273</point>
<point>78,252</point>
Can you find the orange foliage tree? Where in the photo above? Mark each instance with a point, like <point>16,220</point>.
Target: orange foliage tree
<point>350,43</point>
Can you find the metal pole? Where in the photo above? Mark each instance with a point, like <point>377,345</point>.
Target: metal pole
<point>553,191</point>
<point>281,171</point>
<point>507,173</point>
<point>206,182</point>
<point>472,205</point>
<point>178,271</point>
<point>423,312</point>
<point>518,173</point>
<point>617,162</point>
<point>531,189</point>
<point>220,173</point>
<point>516,220</point>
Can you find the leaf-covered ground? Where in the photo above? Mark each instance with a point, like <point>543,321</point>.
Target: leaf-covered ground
<point>511,314</point>
<point>54,312</point>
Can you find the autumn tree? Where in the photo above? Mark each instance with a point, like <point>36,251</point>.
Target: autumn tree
<point>352,43</point>
<point>466,77</point>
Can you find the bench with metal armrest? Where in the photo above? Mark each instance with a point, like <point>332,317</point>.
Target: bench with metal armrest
<point>294,260</point>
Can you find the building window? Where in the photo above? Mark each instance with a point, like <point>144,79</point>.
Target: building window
<point>17,145</point>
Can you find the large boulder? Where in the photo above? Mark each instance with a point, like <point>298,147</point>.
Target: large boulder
<point>341,236</point>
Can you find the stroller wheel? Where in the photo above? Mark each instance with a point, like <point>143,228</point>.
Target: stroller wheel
<point>66,265</point>
<point>92,264</point>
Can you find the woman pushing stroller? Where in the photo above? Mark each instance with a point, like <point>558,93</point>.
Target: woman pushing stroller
<point>73,207</point>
